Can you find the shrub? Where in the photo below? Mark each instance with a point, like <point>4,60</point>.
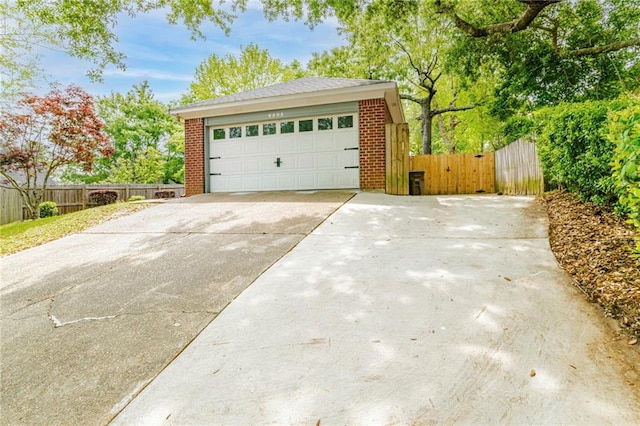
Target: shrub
<point>102,197</point>
<point>624,132</point>
<point>136,198</point>
<point>48,209</point>
<point>165,194</point>
<point>575,150</point>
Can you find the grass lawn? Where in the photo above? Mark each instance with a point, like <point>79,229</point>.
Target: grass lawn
<point>19,236</point>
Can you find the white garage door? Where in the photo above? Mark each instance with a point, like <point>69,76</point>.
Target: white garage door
<point>287,154</point>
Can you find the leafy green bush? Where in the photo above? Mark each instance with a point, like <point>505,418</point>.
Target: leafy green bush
<point>48,209</point>
<point>624,132</point>
<point>575,150</point>
<point>136,198</point>
<point>102,197</point>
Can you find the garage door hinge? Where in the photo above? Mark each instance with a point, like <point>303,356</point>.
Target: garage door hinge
<point>214,158</point>
<point>351,149</point>
<point>351,167</point>
<point>215,174</point>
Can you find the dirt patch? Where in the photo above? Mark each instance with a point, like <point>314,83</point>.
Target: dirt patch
<point>593,245</point>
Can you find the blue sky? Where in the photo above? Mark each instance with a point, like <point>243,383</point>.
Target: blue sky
<point>166,56</point>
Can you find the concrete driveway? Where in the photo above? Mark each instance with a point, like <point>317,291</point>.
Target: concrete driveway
<point>87,321</point>
<point>405,310</point>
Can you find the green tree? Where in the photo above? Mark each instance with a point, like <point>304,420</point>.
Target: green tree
<point>174,158</point>
<point>254,68</point>
<point>145,139</point>
<point>403,41</point>
<point>542,51</point>
<point>547,52</point>
<point>148,167</point>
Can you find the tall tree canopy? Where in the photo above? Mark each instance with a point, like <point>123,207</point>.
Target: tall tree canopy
<point>88,32</point>
<point>148,142</point>
<point>140,127</point>
<point>571,50</point>
<point>403,41</point>
<point>219,76</point>
<point>544,51</point>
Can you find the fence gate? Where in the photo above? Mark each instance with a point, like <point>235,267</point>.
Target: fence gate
<point>397,159</point>
<point>456,173</point>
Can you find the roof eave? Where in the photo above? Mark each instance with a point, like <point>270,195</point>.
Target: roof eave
<point>387,90</point>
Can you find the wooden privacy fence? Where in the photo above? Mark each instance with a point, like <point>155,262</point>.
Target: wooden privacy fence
<point>10,205</point>
<point>518,169</point>
<point>73,198</point>
<point>456,173</point>
<point>512,170</point>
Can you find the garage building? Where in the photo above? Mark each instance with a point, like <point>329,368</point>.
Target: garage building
<point>305,134</point>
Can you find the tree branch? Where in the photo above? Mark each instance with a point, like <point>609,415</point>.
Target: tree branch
<point>413,99</point>
<point>603,49</point>
<point>534,7</point>
<point>450,109</point>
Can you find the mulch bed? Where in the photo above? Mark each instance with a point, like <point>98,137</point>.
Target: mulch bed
<point>593,245</point>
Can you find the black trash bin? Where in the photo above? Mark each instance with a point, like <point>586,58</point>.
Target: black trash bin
<point>416,183</point>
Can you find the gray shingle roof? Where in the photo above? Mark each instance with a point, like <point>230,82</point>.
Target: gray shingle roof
<point>293,87</point>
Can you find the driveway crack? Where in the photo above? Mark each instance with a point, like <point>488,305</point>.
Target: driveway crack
<point>57,323</point>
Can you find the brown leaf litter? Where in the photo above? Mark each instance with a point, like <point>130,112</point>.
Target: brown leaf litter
<point>593,245</point>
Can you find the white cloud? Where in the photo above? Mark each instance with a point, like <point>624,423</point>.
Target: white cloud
<point>150,74</point>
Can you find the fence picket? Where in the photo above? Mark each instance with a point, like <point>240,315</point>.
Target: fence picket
<point>456,173</point>
<point>512,170</point>
<point>518,169</point>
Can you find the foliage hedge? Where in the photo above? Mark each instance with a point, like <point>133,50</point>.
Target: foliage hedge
<point>575,149</point>
<point>574,146</point>
<point>590,148</point>
<point>48,209</point>
<point>624,133</point>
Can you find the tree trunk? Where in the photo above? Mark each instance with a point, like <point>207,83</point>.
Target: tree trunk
<point>427,124</point>
<point>32,198</point>
<point>444,134</point>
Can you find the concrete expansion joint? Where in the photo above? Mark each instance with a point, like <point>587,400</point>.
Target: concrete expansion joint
<point>425,237</point>
<point>249,233</point>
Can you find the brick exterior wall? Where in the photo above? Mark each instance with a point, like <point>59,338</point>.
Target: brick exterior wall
<point>373,116</point>
<point>194,156</point>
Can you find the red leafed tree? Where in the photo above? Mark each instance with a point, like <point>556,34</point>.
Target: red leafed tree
<point>43,133</point>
